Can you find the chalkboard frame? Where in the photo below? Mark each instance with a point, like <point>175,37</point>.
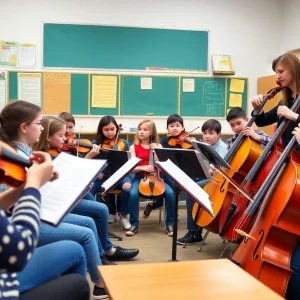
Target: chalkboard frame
<point>161,70</point>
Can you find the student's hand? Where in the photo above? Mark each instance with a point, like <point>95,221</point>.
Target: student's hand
<point>93,152</point>
<point>284,111</point>
<point>248,131</point>
<point>148,168</point>
<point>41,170</point>
<point>155,145</point>
<point>212,170</point>
<point>256,101</point>
<point>296,132</point>
<point>100,176</point>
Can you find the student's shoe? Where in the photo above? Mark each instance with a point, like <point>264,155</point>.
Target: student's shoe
<point>132,231</point>
<point>105,261</point>
<point>123,254</point>
<point>99,293</point>
<point>125,223</point>
<point>111,219</point>
<point>191,237</point>
<point>148,209</point>
<point>169,230</point>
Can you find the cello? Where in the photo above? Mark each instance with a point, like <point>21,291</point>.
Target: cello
<point>241,157</point>
<point>152,185</point>
<point>234,212</point>
<point>266,250</point>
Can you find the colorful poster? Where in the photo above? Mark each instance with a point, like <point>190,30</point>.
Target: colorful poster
<point>29,87</point>
<point>56,92</point>
<point>2,89</point>
<point>8,54</point>
<point>104,91</point>
<point>27,55</point>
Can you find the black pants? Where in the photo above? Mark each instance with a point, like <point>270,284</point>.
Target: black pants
<point>72,286</point>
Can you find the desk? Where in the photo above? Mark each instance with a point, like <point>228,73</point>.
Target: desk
<point>204,279</point>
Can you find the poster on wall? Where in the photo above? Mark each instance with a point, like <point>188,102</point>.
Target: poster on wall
<point>8,53</point>
<point>2,89</point>
<point>26,55</point>
<point>29,87</point>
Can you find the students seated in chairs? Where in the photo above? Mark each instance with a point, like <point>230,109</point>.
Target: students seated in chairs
<point>141,149</point>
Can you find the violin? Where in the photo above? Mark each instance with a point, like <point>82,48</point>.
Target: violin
<point>180,142</point>
<point>12,166</point>
<point>152,185</point>
<point>54,152</point>
<point>115,143</point>
<point>81,146</point>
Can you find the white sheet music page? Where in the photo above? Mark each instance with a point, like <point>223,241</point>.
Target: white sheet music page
<point>187,184</point>
<point>125,169</point>
<point>75,174</point>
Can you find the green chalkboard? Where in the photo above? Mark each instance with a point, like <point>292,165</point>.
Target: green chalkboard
<point>112,47</point>
<point>160,100</point>
<point>210,97</point>
<point>79,94</point>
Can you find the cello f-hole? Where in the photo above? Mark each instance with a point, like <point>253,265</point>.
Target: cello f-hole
<point>255,255</point>
<point>221,187</point>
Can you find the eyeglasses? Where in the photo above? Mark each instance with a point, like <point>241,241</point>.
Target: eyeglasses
<point>36,123</point>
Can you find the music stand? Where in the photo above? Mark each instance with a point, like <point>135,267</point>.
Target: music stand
<point>191,163</point>
<point>115,160</point>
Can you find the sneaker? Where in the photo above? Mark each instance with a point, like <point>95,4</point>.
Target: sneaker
<point>125,223</point>
<point>123,254</point>
<point>148,209</point>
<point>190,238</point>
<point>132,231</point>
<point>105,261</point>
<point>111,219</point>
<point>169,230</point>
<point>99,293</point>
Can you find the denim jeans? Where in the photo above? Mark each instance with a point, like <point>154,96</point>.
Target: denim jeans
<point>51,261</point>
<point>124,193</point>
<point>293,289</point>
<point>84,233</point>
<point>99,213</point>
<point>133,206</point>
<point>191,224</point>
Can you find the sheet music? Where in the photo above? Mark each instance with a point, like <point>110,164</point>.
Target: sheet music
<point>187,184</point>
<point>124,170</point>
<point>75,174</point>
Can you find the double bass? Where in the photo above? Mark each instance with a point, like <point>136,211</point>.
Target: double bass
<point>241,157</point>
<point>266,250</point>
<point>232,215</point>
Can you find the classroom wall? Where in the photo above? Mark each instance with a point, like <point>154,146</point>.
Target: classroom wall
<point>237,27</point>
<point>290,37</point>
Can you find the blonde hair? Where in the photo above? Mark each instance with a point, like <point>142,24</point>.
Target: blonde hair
<point>153,132</point>
<point>292,63</point>
<point>51,126</point>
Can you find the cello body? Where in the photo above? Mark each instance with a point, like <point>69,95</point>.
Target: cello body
<point>275,232</point>
<point>220,190</point>
<point>241,202</point>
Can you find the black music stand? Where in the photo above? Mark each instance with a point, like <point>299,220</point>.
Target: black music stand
<point>192,164</point>
<point>115,161</point>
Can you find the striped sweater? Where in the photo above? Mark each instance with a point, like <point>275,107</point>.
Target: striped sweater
<point>18,238</point>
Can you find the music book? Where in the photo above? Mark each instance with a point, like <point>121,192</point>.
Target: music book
<point>115,159</point>
<point>60,196</point>
<point>114,179</point>
<point>186,184</point>
<point>210,153</point>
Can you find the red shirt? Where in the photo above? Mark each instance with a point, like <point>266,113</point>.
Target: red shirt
<point>142,153</point>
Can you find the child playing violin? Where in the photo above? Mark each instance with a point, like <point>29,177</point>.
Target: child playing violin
<point>107,138</point>
<point>141,149</point>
